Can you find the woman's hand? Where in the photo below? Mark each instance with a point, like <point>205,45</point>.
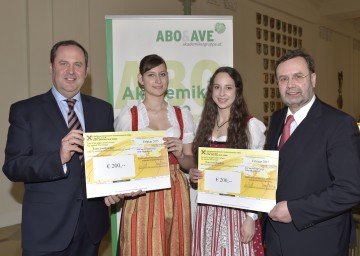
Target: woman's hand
<point>175,146</point>
<point>247,230</point>
<point>113,199</point>
<point>195,175</point>
<point>182,152</point>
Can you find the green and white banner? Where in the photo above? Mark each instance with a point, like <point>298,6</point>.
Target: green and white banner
<point>192,46</point>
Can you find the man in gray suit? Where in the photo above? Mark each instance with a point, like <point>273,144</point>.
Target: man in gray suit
<point>319,168</point>
<point>46,154</point>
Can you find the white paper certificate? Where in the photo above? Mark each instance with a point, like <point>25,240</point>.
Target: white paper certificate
<point>238,178</point>
<point>122,162</point>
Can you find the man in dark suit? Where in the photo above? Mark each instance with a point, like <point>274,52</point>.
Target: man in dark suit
<point>319,168</point>
<point>45,154</point>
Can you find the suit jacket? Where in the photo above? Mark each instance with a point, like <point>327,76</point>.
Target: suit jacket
<point>52,199</point>
<point>319,176</point>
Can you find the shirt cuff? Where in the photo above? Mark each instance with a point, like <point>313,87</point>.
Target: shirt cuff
<point>65,168</point>
<point>252,215</point>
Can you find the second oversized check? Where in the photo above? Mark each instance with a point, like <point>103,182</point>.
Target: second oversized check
<point>122,162</point>
<point>238,178</point>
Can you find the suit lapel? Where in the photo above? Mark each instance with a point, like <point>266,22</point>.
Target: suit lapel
<point>53,112</point>
<point>300,140</point>
<point>303,134</point>
<point>279,118</point>
<point>87,106</point>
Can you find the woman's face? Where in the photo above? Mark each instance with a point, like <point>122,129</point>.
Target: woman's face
<point>224,91</point>
<point>155,81</point>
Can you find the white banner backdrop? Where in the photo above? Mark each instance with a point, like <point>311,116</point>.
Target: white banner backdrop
<point>192,46</point>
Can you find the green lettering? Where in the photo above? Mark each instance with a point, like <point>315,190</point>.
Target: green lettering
<point>127,94</point>
<point>128,80</point>
<point>177,35</point>
<point>170,94</point>
<point>160,37</point>
<point>202,35</point>
<point>194,36</point>
<point>182,93</point>
<point>210,36</point>
<point>139,93</point>
<point>168,35</point>
<point>200,92</point>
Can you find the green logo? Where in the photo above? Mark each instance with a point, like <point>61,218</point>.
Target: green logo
<point>220,28</point>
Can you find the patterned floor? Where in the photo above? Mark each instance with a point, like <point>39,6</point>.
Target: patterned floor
<point>10,242</point>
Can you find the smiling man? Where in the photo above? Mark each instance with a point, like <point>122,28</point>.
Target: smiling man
<point>319,167</point>
<point>44,150</point>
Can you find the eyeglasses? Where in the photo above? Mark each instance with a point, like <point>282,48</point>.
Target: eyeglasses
<point>296,78</point>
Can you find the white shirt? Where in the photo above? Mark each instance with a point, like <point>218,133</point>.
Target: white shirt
<point>300,115</point>
<point>123,122</point>
<point>64,107</point>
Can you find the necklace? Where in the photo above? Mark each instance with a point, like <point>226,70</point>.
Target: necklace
<point>155,112</point>
<point>219,126</point>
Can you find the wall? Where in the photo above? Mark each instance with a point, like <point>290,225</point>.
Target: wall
<point>14,84</point>
<point>29,29</point>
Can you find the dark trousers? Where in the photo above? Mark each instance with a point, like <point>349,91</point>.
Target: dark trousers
<point>80,244</point>
<point>272,241</point>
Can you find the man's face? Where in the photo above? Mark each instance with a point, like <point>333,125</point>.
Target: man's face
<point>296,83</point>
<point>68,70</point>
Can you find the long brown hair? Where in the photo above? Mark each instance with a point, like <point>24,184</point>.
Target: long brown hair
<point>237,133</point>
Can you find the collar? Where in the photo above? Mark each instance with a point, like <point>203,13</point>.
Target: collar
<point>300,115</point>
<point>60,98</point>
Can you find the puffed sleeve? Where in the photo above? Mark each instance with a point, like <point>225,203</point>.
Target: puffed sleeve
<point>189,126</point>
<point>257,141</point>
<point>257,133</point>
<point>123,119</point>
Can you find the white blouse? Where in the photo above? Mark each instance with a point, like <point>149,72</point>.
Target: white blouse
<point>123,122</point>
<point>257,134</point>
<point>257,141</point>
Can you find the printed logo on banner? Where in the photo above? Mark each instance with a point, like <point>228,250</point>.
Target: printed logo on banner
<point>203,38</point>
<point>186,44</point>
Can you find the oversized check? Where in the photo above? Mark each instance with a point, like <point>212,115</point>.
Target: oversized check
<point>122,162</point>
<point>238,178</point>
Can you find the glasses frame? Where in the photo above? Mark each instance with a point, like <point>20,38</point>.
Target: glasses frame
<point>297,78</point>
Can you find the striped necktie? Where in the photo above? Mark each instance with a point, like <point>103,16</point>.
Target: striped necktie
<point>73,120</point>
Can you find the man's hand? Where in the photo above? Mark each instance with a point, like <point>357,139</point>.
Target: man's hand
<point>280,213</point>
<point>71,143</point>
